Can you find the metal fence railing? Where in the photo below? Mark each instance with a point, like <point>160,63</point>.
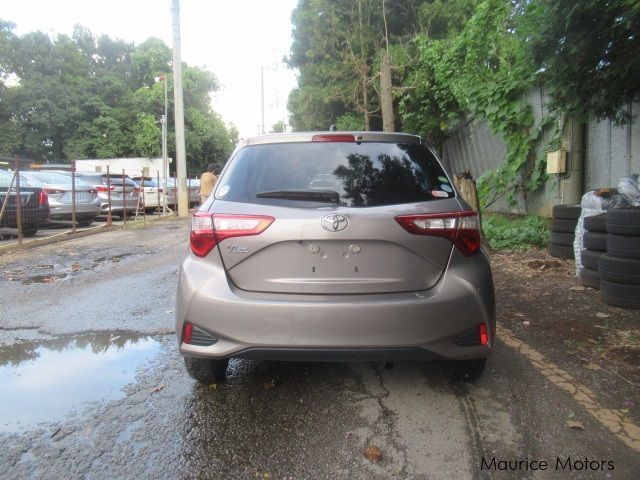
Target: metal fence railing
<point>34,197</point>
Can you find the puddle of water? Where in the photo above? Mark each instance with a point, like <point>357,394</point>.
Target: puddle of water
<point>46,381</point>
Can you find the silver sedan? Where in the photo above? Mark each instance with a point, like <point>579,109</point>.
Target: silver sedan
<point>59,188</point>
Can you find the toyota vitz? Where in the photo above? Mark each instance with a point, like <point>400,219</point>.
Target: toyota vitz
<point>335,246</point>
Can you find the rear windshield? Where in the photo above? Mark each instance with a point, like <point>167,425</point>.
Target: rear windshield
<point>6,180</point>
<point>364,175</point>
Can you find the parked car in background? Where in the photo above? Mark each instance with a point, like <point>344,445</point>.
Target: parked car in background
<point>193,184</point>
<point>152,193</point>
<point>59,189</point>
<point>335,246</point>
<point>34,204</point>
<point>124,194</point>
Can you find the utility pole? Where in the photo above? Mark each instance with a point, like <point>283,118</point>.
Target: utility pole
<point>181,161</point>
<point>165,158</point>
<point>262,99</point>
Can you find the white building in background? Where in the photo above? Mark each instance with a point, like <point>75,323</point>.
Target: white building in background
<point>134,167</point>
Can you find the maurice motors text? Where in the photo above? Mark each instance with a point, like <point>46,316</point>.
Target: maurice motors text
<point>568,464</point>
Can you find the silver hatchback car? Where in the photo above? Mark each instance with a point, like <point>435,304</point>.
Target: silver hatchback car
<point>335,246</point>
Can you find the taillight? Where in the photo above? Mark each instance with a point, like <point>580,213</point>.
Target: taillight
<point>104,188</point>
<point>333,137</point>
<point>187,333</point>
<point>43,199</point>
<point>483,336</point>
<point>208,230</point>
<point>462,228</point>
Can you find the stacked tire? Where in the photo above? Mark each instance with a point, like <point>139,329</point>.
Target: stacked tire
<point>594,242</point>
<point>563,228</point>
<point>620,267</point>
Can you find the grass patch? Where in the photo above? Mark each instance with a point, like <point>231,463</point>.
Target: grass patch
<point>510,232</point>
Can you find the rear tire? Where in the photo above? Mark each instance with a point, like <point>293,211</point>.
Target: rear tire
<point>620,294</point>
<point>590,258</point>
<point>567,211</point>
<point>206,370</point>
<point>590,278</point>
<point>619,270</point>
<point>595,241</point>
<point>563,225</point>
<point>596,223</point>
<point>624,221</point>
<point>561,251</point>
<point>562,238</point>
<point>29,231</point>
<point>623,246</point>
<point>468,370</point>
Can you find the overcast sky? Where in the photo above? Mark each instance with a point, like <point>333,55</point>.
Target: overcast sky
<point>231,38</point>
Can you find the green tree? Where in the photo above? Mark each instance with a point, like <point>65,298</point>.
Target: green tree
<point>85,97</point>
<point>278,127</point>
<point>207,139</point>
<point>586,53</point>
<point>338,47</point>
<point>147,136</point>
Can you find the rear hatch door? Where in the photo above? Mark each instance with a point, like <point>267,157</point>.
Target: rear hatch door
<point>342,238</point>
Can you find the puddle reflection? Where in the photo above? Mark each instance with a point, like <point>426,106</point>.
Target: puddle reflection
<point>44,381</point>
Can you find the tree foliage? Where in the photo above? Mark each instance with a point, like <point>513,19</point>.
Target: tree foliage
<point>453,60</point>
<point>337,49</point>
<point>81,96</point>
<point>586,52</point>
<point>278,127</point>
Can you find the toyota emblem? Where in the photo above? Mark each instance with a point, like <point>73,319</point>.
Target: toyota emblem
<point>334,223</point>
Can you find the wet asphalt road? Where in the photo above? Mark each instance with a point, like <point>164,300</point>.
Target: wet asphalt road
<point>91,386</point>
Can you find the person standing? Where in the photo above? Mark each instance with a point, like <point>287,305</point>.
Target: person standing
<point>207,182</point>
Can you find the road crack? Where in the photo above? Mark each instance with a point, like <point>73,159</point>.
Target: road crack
<point>386,418</point>
<point>473,424</point>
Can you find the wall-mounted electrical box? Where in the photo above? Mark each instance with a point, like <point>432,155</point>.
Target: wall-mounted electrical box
<point>557,161</point>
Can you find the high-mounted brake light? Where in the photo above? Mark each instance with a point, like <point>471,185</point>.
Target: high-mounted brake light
<point>331,137</point>
<point>208,230</point>
<point>462,228</point>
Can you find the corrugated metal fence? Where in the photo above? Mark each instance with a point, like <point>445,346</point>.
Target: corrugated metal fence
<point>612,151</point>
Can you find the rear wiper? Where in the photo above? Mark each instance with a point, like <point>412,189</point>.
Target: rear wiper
<point>304,195</point>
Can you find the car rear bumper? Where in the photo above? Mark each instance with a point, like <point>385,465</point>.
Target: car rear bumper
<point>118,205</point>
<point>411,325</point>
<point>30,217</point>
<point>64,211</point>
